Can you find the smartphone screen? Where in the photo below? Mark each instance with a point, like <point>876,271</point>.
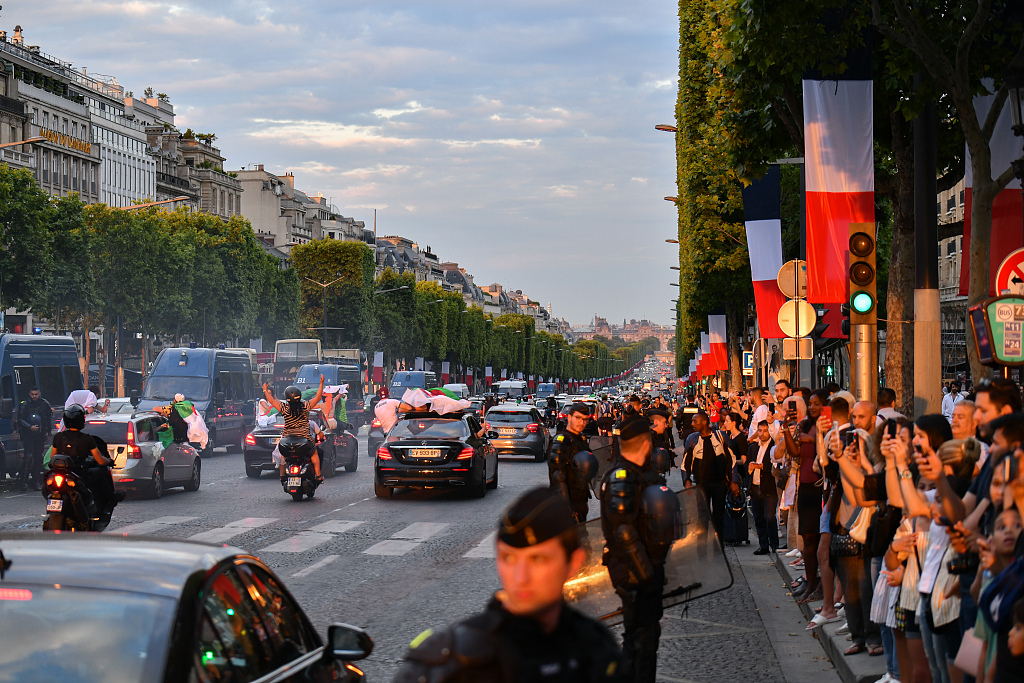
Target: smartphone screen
<point>826,413</point>
<point>891,426</point>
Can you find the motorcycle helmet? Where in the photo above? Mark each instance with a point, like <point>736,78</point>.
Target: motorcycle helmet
<point>293,393</point>
<point>74,416</point>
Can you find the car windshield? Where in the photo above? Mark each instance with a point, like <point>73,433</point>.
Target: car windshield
<point>433,428</point>
<point>509,416</point>
<point>111,432</point>
<point>76,634</point>
<point>407,381</point>
<point>287,351</point>
<point>164,388</point>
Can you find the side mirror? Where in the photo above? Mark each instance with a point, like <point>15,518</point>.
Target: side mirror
<point>348,643</point>
<point>492,434</point>
<point>218,399</point>
<point>134,398</point>
<point>6,408</point>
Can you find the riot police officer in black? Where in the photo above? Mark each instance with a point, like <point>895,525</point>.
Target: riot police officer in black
<point>35,422</point>
<point>571,466</point>
<point>640,518</point>
<point>527,634</point>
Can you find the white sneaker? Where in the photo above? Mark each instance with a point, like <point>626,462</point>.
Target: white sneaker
<point>842,612</point>
<point>844,629</point>
<point>885,679</point>
<point>793,553</point>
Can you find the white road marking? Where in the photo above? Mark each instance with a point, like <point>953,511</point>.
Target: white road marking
<point>391,547</point>
<point>485,548</point>
<point>313,567</point>
<point>6,519</point>
<point>335,526</point>
<point>300,542</point>
<point>224,533</point>
<point>158,524</point>
<point>420,531</point>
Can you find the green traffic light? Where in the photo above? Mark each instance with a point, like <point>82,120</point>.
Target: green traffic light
<point>862,303</point>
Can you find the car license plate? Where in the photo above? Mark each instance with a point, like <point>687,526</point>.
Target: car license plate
<point>294,481</point>
<point>507,432</point>
<point>274,440</point>
<point>55,505</point>
<point>426,453</point>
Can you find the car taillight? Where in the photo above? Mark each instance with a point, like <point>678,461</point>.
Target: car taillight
<point>134,452</point>
<point>532,428</point>
<point>294,469</point>
<point>375,424</point>
<point>466,454</point>
<point>250,439</point>
<point>383,453</point>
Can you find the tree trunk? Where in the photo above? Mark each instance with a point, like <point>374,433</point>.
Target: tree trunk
<point>899,330</point>
<point>981,231</point>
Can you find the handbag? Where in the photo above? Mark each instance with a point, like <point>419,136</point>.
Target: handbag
<point>969,655</point>
<point>843,545</point>
<point>859,528</point>
<point>882,530</point>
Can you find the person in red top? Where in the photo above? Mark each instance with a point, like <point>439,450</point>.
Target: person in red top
<point>803,447</point>
<point>714,409</point>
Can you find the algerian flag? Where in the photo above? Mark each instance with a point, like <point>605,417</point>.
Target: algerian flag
<point>197,431</point>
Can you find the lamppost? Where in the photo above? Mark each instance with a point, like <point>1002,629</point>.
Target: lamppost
<point>23,142</point>
<point>149,204</point>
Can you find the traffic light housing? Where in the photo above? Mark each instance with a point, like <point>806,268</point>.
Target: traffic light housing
<point>845,326</point>
<point>862,275</point>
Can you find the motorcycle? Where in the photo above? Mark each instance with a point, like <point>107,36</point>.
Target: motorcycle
<point>550,417</point>
<point>299,476</point>
<point>70,504</point>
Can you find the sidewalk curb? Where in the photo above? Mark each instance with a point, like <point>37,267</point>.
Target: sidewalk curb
<point>860,668</point>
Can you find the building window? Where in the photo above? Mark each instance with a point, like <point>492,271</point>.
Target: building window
<point>938,207</point>
<point>74,129</point>
<point>46,120</point>
<point>35,114</point>
<point>231,203</point>
<point>64,127</point>
<point>950,204</point>
<point>45,166</point>
<point>951,247</point>
<point>64,169</point>
<point>961,197</point>
<point>74,174</point>
<point>92,176</point>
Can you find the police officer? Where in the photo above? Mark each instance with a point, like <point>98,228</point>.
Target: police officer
<point>35,422</point>
<point>640,518</point>
<point>661,434</point>
<point>571,465</point>
<point>527,633</point>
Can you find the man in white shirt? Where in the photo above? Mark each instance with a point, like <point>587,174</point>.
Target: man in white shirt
<point>764,495</point>
<point>950,400</point>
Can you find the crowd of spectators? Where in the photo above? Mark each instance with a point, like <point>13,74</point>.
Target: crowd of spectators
<point>909,531</point>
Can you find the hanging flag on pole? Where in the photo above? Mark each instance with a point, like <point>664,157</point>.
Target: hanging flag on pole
<point>378,367</point>
<point>445,367</point>
<point>762,214</point>
<point>716,334</point>
<point>1007,207</point>
<point>705,354</point>
<point>839,167</point>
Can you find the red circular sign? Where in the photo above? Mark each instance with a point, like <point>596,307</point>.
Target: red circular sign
<point>1010,276</point>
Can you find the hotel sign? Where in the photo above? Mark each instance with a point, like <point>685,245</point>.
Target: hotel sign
<point>66,140</point>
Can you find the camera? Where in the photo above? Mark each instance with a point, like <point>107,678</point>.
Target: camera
<point>963,564</point>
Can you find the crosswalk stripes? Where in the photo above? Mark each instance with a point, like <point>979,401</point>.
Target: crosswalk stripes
<point>318,535</point>
<point>313,567</point>
<point>7,519</point>
<point>153,525</point>
<point>407,540</point>
<point>225,533</point>
<point>485,548</point>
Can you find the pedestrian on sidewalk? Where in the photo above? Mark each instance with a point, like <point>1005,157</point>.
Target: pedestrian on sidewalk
<point>764,496</point>
<point>709,462</point>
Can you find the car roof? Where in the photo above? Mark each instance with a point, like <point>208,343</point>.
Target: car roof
<point>120,417</point>
<point>511,408</point>
<point>158,566</point>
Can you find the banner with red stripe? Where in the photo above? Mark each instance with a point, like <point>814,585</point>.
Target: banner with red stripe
<point>762,215</point>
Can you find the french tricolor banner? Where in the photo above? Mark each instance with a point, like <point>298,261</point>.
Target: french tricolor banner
<point>839,167</point>
<point>706,358</point>
<point>716,333</point>
<point>504,374</point>
<point>1007,208</point>
<point>488,375</point>
<point>469,377</point>
<point>378,367</point>
<point>762,215</point>
<point>445,367</point>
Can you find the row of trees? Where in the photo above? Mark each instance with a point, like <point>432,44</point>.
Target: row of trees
<point>740,108</point>
<point>187,274</point>
<point>406,319</point>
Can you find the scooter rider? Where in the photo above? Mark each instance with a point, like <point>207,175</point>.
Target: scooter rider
<point>80,446</point>
<point>296,416</point>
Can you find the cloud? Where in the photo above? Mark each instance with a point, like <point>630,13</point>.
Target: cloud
<point>496,133</point>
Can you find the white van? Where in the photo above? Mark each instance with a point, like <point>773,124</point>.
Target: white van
<point>460,390</point>
<point>513,388</point>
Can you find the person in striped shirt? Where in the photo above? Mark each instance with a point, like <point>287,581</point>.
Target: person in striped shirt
<point>295,412</point>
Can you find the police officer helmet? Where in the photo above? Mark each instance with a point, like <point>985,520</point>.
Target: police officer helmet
<point>661,460</point>
<point>74,416</point>
<point>586,466</point>
<point>292,393</point>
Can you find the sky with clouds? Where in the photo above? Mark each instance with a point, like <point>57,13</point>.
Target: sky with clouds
<point>515,138</point>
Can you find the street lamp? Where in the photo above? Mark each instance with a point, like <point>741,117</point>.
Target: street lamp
<point>395,289</point>
<point>674,267</point>
<point>23,142</point>
<point>146,206</point>
<point>325,286</point>
<point>664,127</point>
<point>672,241</point>
<point>672,199</point>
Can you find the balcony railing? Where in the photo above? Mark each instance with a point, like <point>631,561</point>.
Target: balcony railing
<point>12,106</point>
<point>16,158</point>
<point>169,179</point>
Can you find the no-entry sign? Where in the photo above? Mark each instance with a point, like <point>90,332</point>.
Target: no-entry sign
<point>1010,276</point>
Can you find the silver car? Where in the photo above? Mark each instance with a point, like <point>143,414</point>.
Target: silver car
<point>520,429</point>
<point>141,462</point>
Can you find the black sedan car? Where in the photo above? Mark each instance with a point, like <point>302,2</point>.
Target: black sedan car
<point>338,447</point>
<point>190,611</point>
<point>427,450</point>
